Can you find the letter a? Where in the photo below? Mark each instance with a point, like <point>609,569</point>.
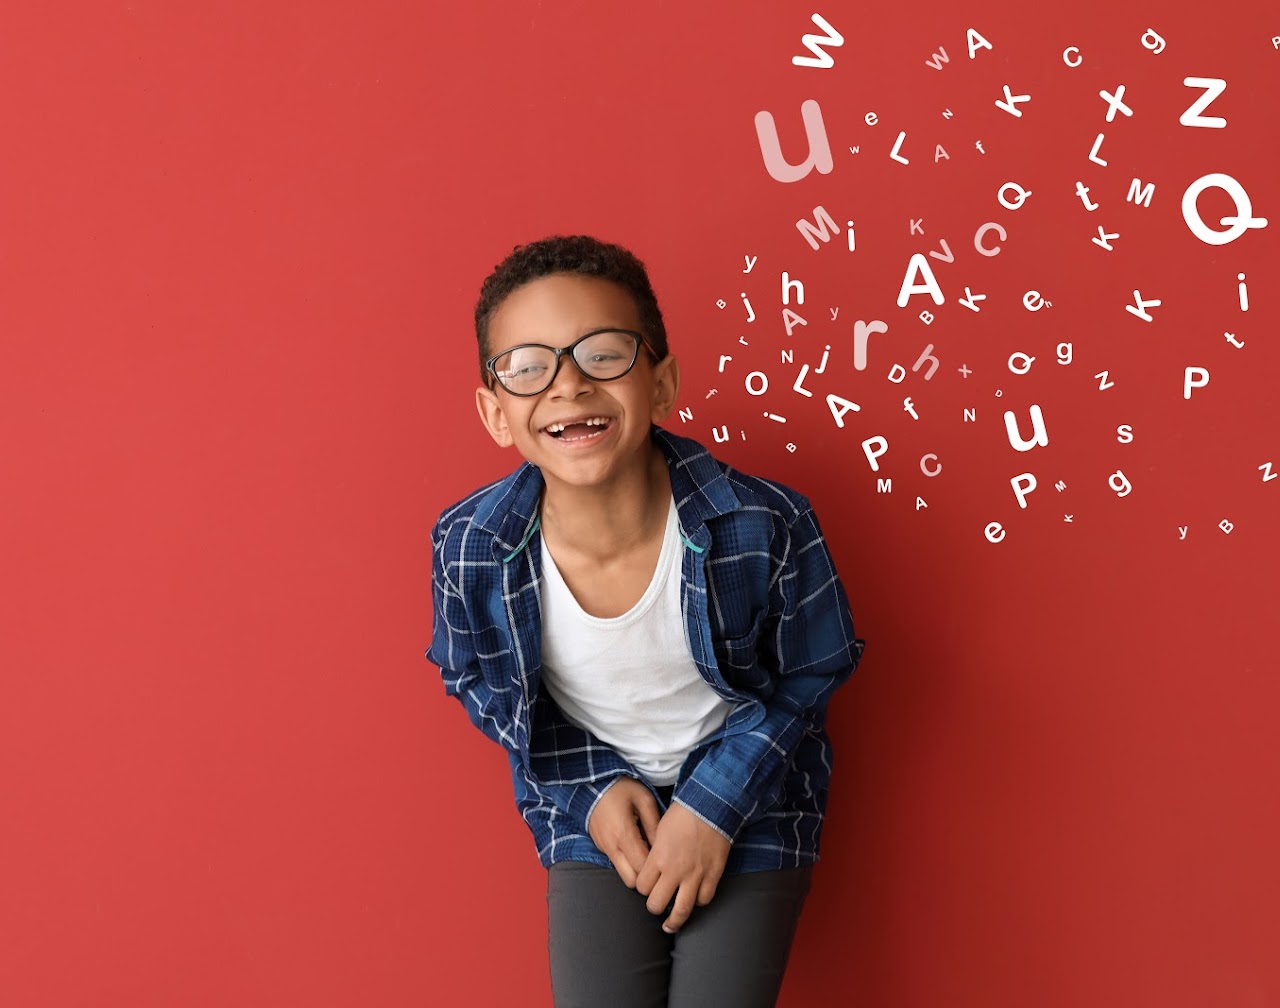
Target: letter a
<point>930,285</point>
<point>790,319</point>
<point>839,406</point>
<point>816,133</point>
<point>977,42</point>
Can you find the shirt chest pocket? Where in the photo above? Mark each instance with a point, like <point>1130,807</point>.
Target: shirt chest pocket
<point>739,659</point>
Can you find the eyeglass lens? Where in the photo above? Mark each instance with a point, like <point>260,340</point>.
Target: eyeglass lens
<point>602,356</point>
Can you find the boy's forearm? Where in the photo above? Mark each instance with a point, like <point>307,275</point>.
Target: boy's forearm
<point>809,639</point>
<point>483,708</point>
<point>742,773</point>
<point>570,764</point>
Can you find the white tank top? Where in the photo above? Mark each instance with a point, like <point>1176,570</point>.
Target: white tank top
<point>630,680</point>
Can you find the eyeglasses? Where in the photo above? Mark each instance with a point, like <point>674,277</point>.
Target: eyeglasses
<point>601,355</point>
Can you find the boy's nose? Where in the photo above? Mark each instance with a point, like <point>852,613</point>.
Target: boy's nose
<point>568,381</point>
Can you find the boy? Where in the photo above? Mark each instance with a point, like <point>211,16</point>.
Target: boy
<point>651,635</point>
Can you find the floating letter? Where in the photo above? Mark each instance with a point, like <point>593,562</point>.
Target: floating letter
<point>919,264</point>
<point>819,149</point>
<point>1239,224</point>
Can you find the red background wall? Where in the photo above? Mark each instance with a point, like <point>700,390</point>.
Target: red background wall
<point>240,245</point>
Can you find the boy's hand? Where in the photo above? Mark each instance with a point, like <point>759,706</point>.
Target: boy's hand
<point>623,822</point>
<point>686,861</point>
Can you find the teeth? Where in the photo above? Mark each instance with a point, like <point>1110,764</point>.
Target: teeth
<point>557,428</point>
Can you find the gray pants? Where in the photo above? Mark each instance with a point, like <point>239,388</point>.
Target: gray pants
<point>608,951</point>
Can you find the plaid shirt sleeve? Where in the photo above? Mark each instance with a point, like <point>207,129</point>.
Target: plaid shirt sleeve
<point>807,643</point>
<point>487,705</point>
<point>569,765</point>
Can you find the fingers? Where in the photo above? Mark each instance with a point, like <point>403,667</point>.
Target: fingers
<point>615,827</point>
<point>661,893</point>
<point>707,890</point>
<point>688,894</point>
<point>648,877</point>
<point>632,851</point>
<point>660,887</point>
<point>681,911</point>
<point>623,866</point>
<point>647,809</point>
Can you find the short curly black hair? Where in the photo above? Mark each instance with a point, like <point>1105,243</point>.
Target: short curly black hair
<point>569,254</point>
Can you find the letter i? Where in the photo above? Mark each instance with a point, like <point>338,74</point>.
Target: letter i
<point>1244,293</point>
<point>751,315</point>
<point>851,236</point>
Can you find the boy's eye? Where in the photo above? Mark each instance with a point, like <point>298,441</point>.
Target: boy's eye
<point>524,365</point>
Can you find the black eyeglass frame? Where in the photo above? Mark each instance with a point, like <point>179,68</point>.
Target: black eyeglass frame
<point>562,352</point>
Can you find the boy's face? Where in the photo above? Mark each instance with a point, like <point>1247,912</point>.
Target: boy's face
<point>555,310</point>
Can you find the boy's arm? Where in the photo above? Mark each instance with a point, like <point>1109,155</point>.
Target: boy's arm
<point>810,637</point>
<point>570,766</point>
<point>451,649</point>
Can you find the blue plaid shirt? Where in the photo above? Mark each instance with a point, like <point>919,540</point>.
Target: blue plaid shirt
<point>768,627</point>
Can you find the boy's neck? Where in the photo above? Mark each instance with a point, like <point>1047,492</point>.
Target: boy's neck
<point>604,521</point>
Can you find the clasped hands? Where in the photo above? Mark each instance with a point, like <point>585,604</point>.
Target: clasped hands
<point>676,854</point>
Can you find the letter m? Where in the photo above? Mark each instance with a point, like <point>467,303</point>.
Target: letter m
<point>1141,195</point>
<point>812,233</point>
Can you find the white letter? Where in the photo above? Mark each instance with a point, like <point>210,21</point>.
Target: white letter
<point>1142,195</point>
<point>1011,100</point>
<point>1119,482</point>
<point>1239,224</point>
<point>839,406</point>
<point>930,285</point>
<point>873,448</point>
<point>820,57</point>
<point>1022,485</point>
<point>976,42</point>
<point>1194,377</point>
<point>1039,435</point>
<point>1213,86</point>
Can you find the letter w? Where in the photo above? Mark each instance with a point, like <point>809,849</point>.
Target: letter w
<point>814,43</point>
<point>938,59</point>
<point>816,133</point>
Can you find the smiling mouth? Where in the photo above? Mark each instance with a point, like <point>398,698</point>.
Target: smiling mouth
<point>581,431</point>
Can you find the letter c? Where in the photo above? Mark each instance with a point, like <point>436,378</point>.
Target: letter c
<point>977,238</point>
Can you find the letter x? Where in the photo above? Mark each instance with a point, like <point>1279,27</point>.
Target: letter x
<point>1114,103</point>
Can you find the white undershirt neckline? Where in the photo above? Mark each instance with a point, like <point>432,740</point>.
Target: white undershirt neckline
<point>630,679</point>
<point>666,559</point>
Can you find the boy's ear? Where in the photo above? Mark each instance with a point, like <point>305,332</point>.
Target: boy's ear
<point>493,417</point>
<point>666,387</point>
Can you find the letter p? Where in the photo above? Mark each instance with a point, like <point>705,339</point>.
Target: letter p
<point>874,448</point>
<point>1194,377</point>
<point>1022,485</point>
